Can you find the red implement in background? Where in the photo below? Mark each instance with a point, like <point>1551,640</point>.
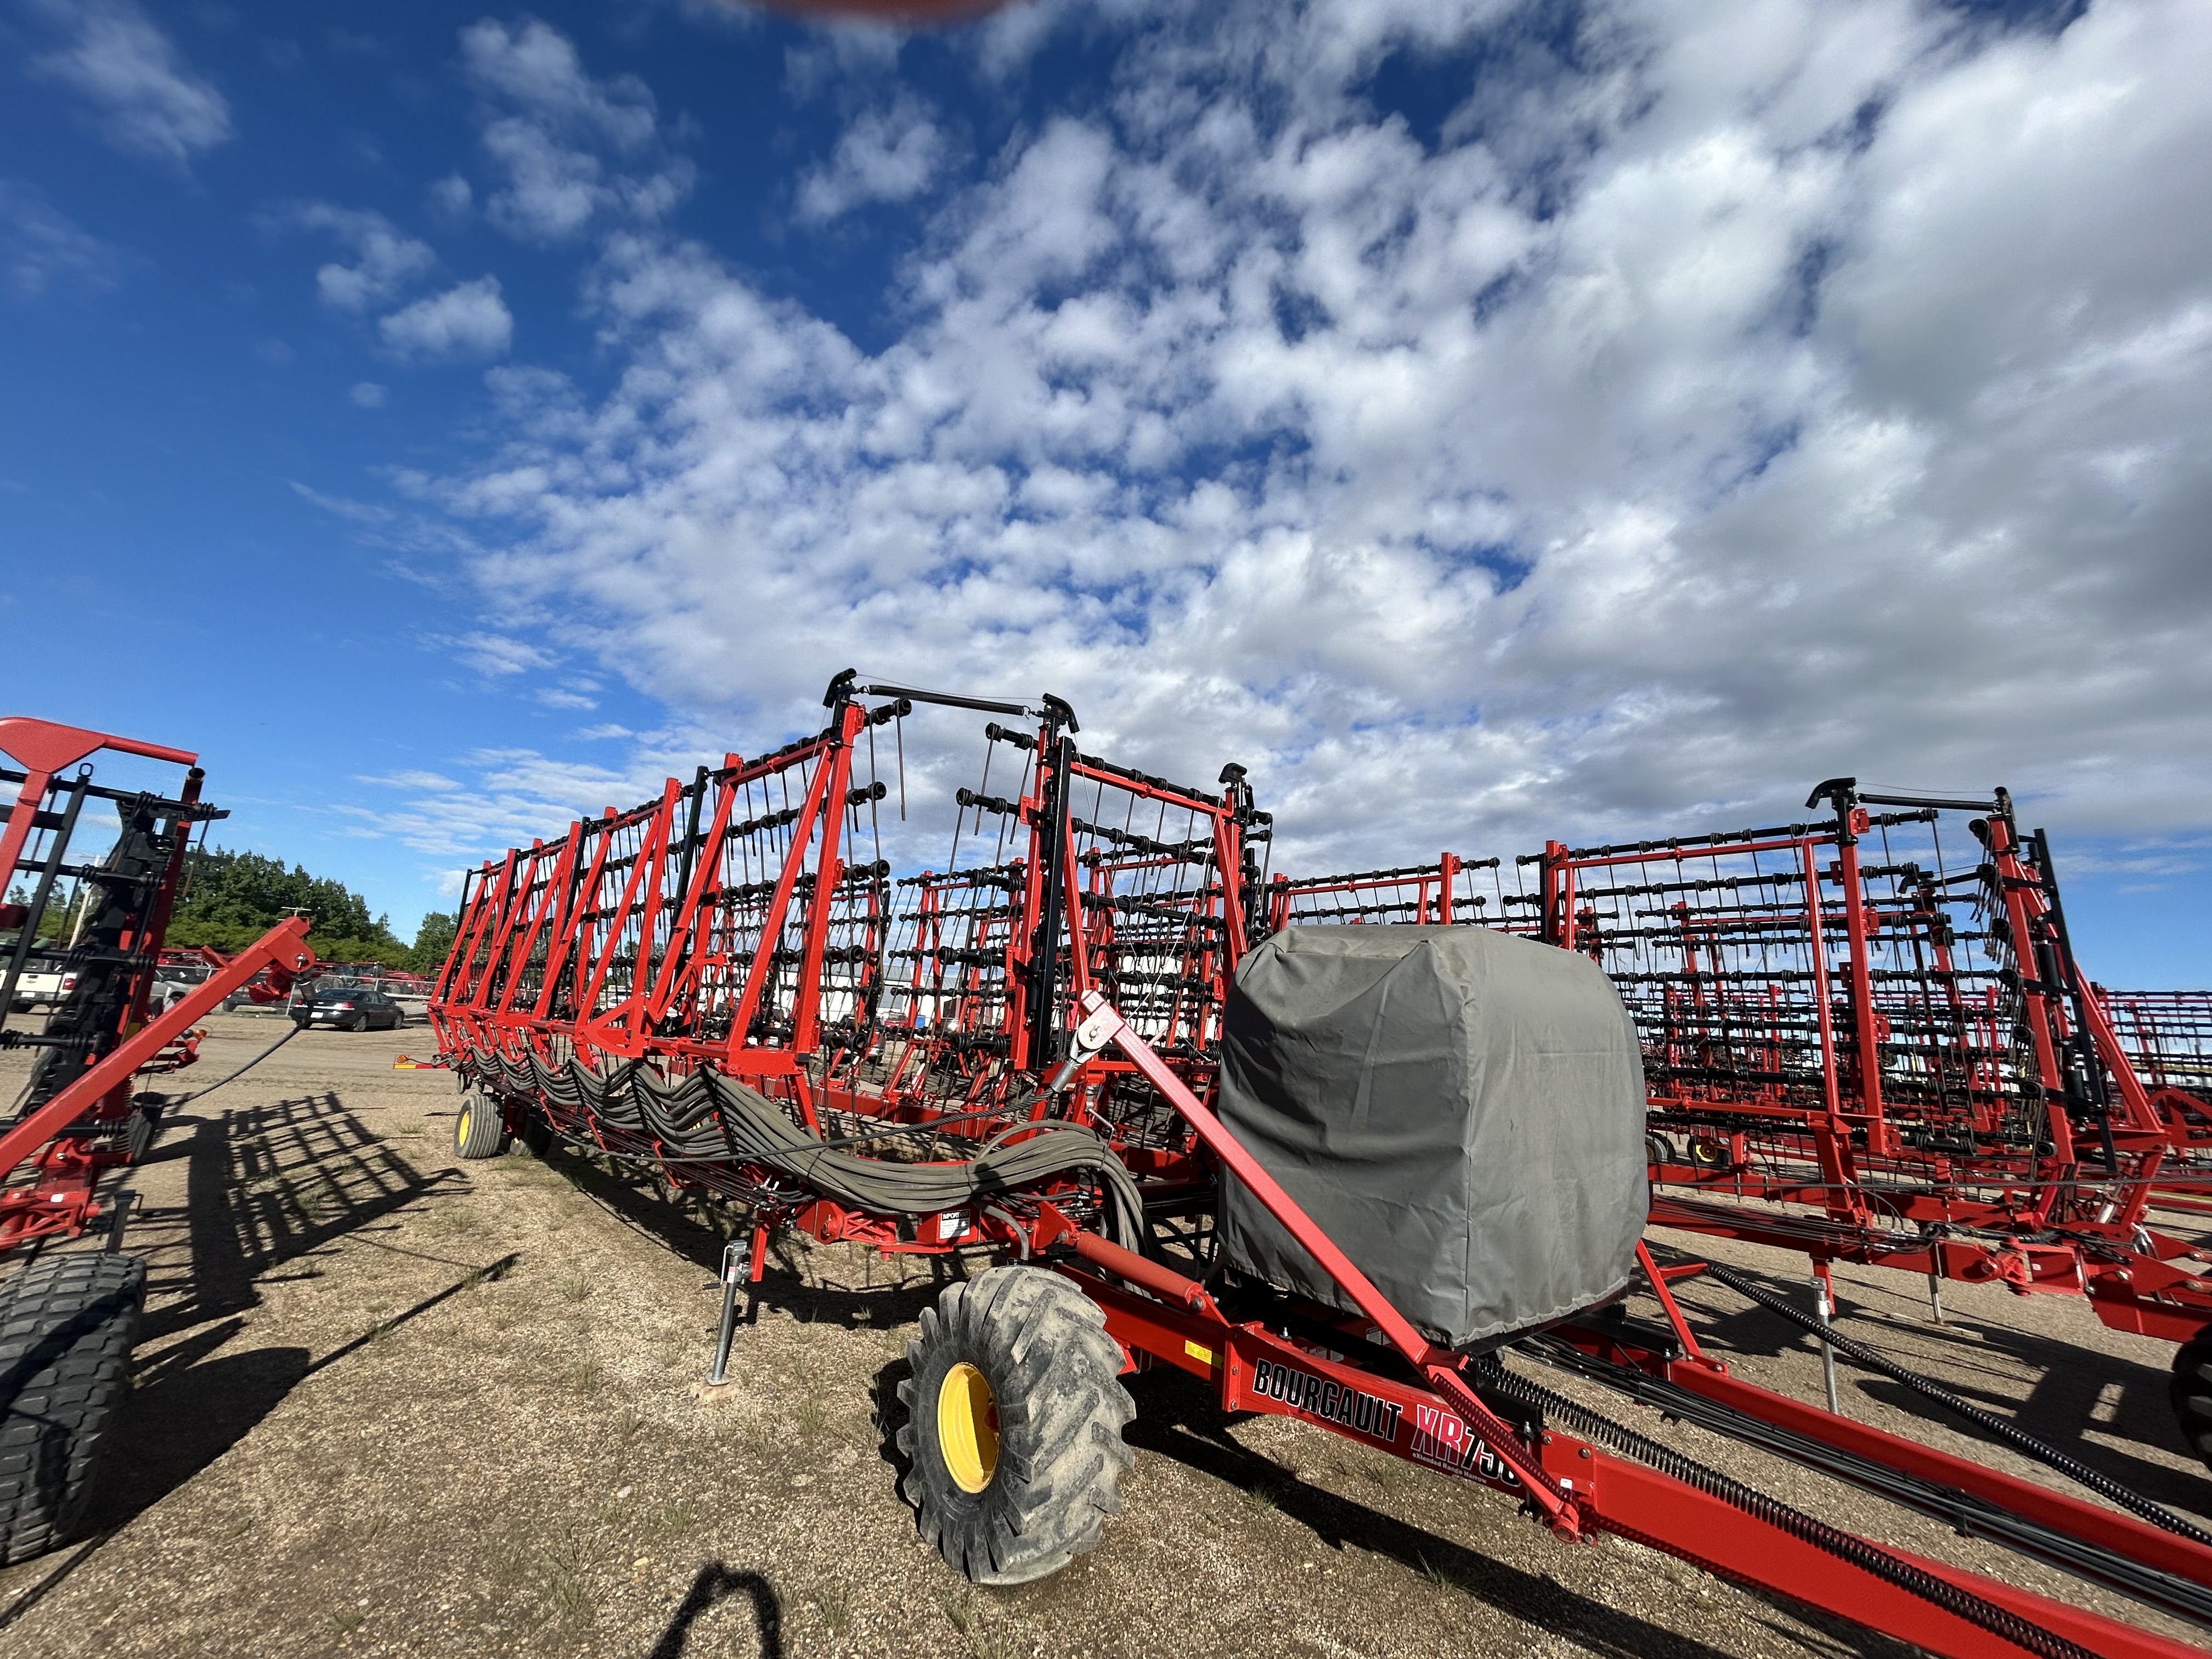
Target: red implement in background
<point>79,1120</point>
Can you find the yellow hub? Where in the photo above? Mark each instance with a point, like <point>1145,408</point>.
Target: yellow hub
<point>461,1128</point>
<point>967,1427</point>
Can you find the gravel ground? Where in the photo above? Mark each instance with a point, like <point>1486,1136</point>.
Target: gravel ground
<point>388,1402</point>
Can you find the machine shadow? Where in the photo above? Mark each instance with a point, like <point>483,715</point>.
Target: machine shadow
<point>1177,1416</point>
<point>2066,1400</point>
<point>269,1186</point>
<point>638,1203</point>
<point>714,1584</point>
<point>266,1187</point>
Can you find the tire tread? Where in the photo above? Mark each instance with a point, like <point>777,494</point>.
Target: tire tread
<point>1056,1377</point>
<point>67,1325</point>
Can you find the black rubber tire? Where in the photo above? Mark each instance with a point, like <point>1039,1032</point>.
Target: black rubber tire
<point>537,1135</point>
<point>67,1323</point>
<point>477,1131</point>
<point>1054,1376</point>
<point>2191,1391</point>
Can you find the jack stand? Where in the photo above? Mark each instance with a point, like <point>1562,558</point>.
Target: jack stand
<point>733,1270</point>
<point>1935,1295</point>
<point>1823,1303</point>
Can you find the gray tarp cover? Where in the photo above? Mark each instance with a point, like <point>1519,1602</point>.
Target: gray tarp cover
<point>1461,1110</point>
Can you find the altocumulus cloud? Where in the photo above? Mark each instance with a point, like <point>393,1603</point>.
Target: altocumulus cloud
<point>1727,395</point>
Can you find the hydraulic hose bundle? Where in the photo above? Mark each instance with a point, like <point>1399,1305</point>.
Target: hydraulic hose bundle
<point>705,1117</point>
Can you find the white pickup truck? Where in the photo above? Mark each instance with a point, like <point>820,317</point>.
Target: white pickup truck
<point>49,991</point>
<point>42,990</point>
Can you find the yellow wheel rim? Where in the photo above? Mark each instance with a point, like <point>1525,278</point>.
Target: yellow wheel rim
<point>461,1127</point>
<point>967,1427</point>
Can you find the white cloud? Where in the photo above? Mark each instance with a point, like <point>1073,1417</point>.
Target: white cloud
<point>149,99</point>
<point>366,394</point>
<point>510,795</point>
<point>452,197</point>
<point>1775,390</point>
<point>573,148</point>
<point>362,512</point>
<point>42,249</point>
<point>493,656</point>
<point>386,262</point>
<point>470,320</point>
<point>885,155</point>
<point>411,780</point>
<point>554,697</point>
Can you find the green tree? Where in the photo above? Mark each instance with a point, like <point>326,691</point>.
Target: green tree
<point>434,943</point>
<point>230,899</point>
<point>60,919</point>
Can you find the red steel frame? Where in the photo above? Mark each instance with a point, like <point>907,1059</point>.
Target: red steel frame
<point>729,924</point>
<point>1421,895</point>
<point>716,927</point>
<point>52,1160</point>
<point>1913,1058</point>
<point>1581,1489</point>
<point>1887,1063</point>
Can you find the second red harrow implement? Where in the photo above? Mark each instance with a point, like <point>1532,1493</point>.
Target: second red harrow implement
<point>1882,1035</point>
<point>1025,1051</point>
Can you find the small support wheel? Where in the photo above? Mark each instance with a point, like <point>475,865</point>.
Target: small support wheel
<point>2191,1391</point>
<point>1014,1419</point>
<point>67,1323</point>
<point>537,1134</point>
<point>478,1130</point>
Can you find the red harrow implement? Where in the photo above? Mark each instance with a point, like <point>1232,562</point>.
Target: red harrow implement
<point>1868,1038</point>
<point>1025,1052</point>
<point>1880,1034</point>
<point>69,1300</point>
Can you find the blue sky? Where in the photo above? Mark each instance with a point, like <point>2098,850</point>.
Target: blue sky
<point>1486,422</point>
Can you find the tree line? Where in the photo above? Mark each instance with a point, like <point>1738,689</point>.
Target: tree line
<point>227,900</point>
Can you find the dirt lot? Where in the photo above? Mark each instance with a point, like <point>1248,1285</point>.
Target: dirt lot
<point>390,1403</point>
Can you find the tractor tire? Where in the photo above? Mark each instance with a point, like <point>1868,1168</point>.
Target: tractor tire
<point>2191,1391</point>
<point>537,1135</point>
<point>1014,1417</point>
<point>67,1323</point>
<point>478,1130</point>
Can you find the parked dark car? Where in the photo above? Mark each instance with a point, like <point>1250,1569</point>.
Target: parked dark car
<point>349,1008</point>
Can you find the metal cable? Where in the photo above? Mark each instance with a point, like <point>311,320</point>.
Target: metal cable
<point>2018,1439</point>
<point>240,1071</point>
<point>1869,1557</point>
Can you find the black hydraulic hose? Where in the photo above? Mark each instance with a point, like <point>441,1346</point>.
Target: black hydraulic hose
<point>2018,1439</point>
<point>1869,1557</point>
<point>197,1093</point>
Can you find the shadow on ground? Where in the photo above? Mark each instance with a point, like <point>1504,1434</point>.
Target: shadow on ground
<point>270,1187</point>
<point>1178,1417</point>
<point>879,1302</point>
<point>715,1584</point>
<point>2080,1409</point>
<point>266,1188</point>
